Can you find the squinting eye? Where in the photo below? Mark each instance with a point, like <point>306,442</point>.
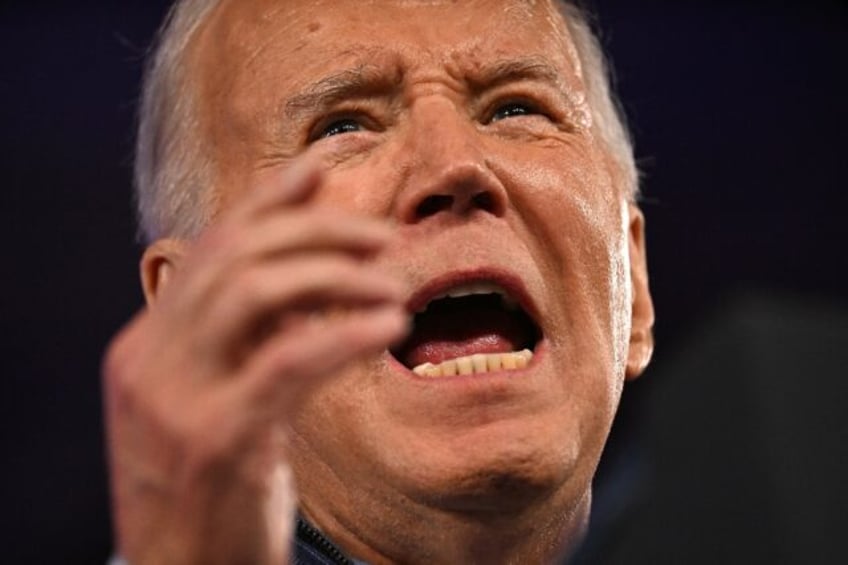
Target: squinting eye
<point>511,110</point>
<point>337,127</point>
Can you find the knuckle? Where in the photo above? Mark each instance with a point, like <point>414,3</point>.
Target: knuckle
<point>187,422</point>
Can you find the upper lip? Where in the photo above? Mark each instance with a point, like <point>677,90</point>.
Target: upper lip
<point>510,282</point>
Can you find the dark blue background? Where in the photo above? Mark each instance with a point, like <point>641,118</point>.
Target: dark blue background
<point>739,115</point>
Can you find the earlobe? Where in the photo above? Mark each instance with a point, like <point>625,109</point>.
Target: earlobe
<point>158,264</point>
<point>642,308</point>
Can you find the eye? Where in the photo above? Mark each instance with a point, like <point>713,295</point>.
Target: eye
<point>512,110</point>
<point>338,127</point>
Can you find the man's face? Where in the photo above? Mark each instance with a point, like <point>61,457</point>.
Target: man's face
<point>466,125</point>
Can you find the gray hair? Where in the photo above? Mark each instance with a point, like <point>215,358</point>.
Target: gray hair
<point>608,117</point>
<point>173,172</point>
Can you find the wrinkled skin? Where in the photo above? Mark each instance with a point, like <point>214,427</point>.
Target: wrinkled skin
<point>453,140</point>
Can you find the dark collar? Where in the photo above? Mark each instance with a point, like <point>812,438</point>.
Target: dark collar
<point>313,548</point>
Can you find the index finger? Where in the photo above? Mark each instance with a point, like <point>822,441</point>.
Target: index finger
<point>293,185</point>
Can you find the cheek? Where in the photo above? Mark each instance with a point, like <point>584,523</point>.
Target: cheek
<point>577,224</point>
<point>567,201</point>
<point>336,418</point>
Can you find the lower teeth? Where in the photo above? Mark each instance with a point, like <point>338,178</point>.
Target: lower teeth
<point>476,364</point>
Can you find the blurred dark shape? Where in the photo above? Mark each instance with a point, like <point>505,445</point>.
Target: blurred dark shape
<point>743,457</point>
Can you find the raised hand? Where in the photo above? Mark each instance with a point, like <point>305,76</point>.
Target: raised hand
<point>274,297</point>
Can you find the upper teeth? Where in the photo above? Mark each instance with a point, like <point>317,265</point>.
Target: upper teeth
<point>473,289</point>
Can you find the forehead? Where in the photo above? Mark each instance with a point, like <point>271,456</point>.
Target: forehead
<point>286,41</point>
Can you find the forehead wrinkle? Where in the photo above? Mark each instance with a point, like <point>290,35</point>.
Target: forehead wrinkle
<point>362,78</point>
<point>262,26</point>
<point>358,81</point>
<point>377,69</point>
<point>366,79</point>
<point>513,69</point>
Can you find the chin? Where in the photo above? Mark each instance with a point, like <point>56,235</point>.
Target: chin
<point>499,471</point>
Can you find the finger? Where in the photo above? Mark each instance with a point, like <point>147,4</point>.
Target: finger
<point>268,262</point>
<point>315,230</point>
<point>294,185</point>
<point>224,246</point>
<point>286,367</point>
<point>268,290</point>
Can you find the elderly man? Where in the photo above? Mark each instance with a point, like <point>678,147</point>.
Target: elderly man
<point>394,267</point>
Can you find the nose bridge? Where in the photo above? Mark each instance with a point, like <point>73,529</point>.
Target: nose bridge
<point>448,169</point>
<point>442,136</point>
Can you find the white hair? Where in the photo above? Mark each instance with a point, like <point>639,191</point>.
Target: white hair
<point>173,171</point>
<point>608,118</point>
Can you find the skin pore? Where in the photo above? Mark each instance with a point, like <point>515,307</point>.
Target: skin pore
<point>462,128</point>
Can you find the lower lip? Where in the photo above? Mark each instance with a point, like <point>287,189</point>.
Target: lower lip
<point>539,353</point>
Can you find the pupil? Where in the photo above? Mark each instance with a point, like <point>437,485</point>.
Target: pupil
<point>340,126</point>
<point>511,111</point>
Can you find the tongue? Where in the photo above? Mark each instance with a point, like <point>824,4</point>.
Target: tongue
<point>458,332</point>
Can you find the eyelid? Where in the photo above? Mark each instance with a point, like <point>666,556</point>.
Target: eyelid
<point>354,113</point>
<point>534,105</point>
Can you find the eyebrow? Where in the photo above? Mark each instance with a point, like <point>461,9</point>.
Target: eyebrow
<point>362,81</point>
<point>534,68</point>
<point>369,80</point>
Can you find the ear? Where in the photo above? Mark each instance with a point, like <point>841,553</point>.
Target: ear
<point>642,308</point>
<point>158,265</point>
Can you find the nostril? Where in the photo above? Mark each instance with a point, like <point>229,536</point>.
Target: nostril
<point>484,201</point>
<point>433,204</point>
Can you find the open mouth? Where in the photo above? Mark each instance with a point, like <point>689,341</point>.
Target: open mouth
<point>470,328</point>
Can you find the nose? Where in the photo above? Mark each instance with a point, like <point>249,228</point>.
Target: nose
<point>447,168</point>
